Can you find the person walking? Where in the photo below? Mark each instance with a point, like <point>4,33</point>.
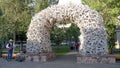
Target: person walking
<point>10,46</point>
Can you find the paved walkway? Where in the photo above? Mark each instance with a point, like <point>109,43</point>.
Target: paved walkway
<point>67,61</point>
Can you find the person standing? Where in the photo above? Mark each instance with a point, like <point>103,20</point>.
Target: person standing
<point>76,46</point>
<point>10,46</point>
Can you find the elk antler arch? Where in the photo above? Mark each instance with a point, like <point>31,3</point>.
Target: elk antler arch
<point>93,33</point>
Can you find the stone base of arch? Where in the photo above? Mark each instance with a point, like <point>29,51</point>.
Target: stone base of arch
<point>43,57</point>
<point>95,59</point>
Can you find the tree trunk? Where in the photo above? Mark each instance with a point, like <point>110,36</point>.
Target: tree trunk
<point>14,36</point>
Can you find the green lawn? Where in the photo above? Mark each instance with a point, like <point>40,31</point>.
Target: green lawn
<point>4,50</point>
<point>59,50</point>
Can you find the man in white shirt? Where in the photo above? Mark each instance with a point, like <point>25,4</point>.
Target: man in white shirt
<point>10,47</point>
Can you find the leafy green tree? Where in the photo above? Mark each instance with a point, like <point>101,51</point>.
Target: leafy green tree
<point>109,9</point>
<point>40,5</point>
<point>15,18</point>
<point>57,35</point>
<point>72,33</point>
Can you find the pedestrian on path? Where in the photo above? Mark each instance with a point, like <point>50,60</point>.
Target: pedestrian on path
<point>10,47</point>
<point>76,45</point>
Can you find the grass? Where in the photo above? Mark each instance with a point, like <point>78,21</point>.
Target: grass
<point>62,50</point>
<point>59,50</point>
<point>4,50</point>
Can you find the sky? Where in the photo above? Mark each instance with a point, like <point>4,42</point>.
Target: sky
<point>64,26</point>
<point>67,1</point>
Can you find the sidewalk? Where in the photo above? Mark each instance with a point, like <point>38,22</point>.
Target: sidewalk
<point>67,61</point>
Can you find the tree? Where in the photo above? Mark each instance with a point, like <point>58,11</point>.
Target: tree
<point>57,35</point>
<point>72,32</point>
<point>15,17</point>
<point>40,5</point>
<point>109,9</point>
